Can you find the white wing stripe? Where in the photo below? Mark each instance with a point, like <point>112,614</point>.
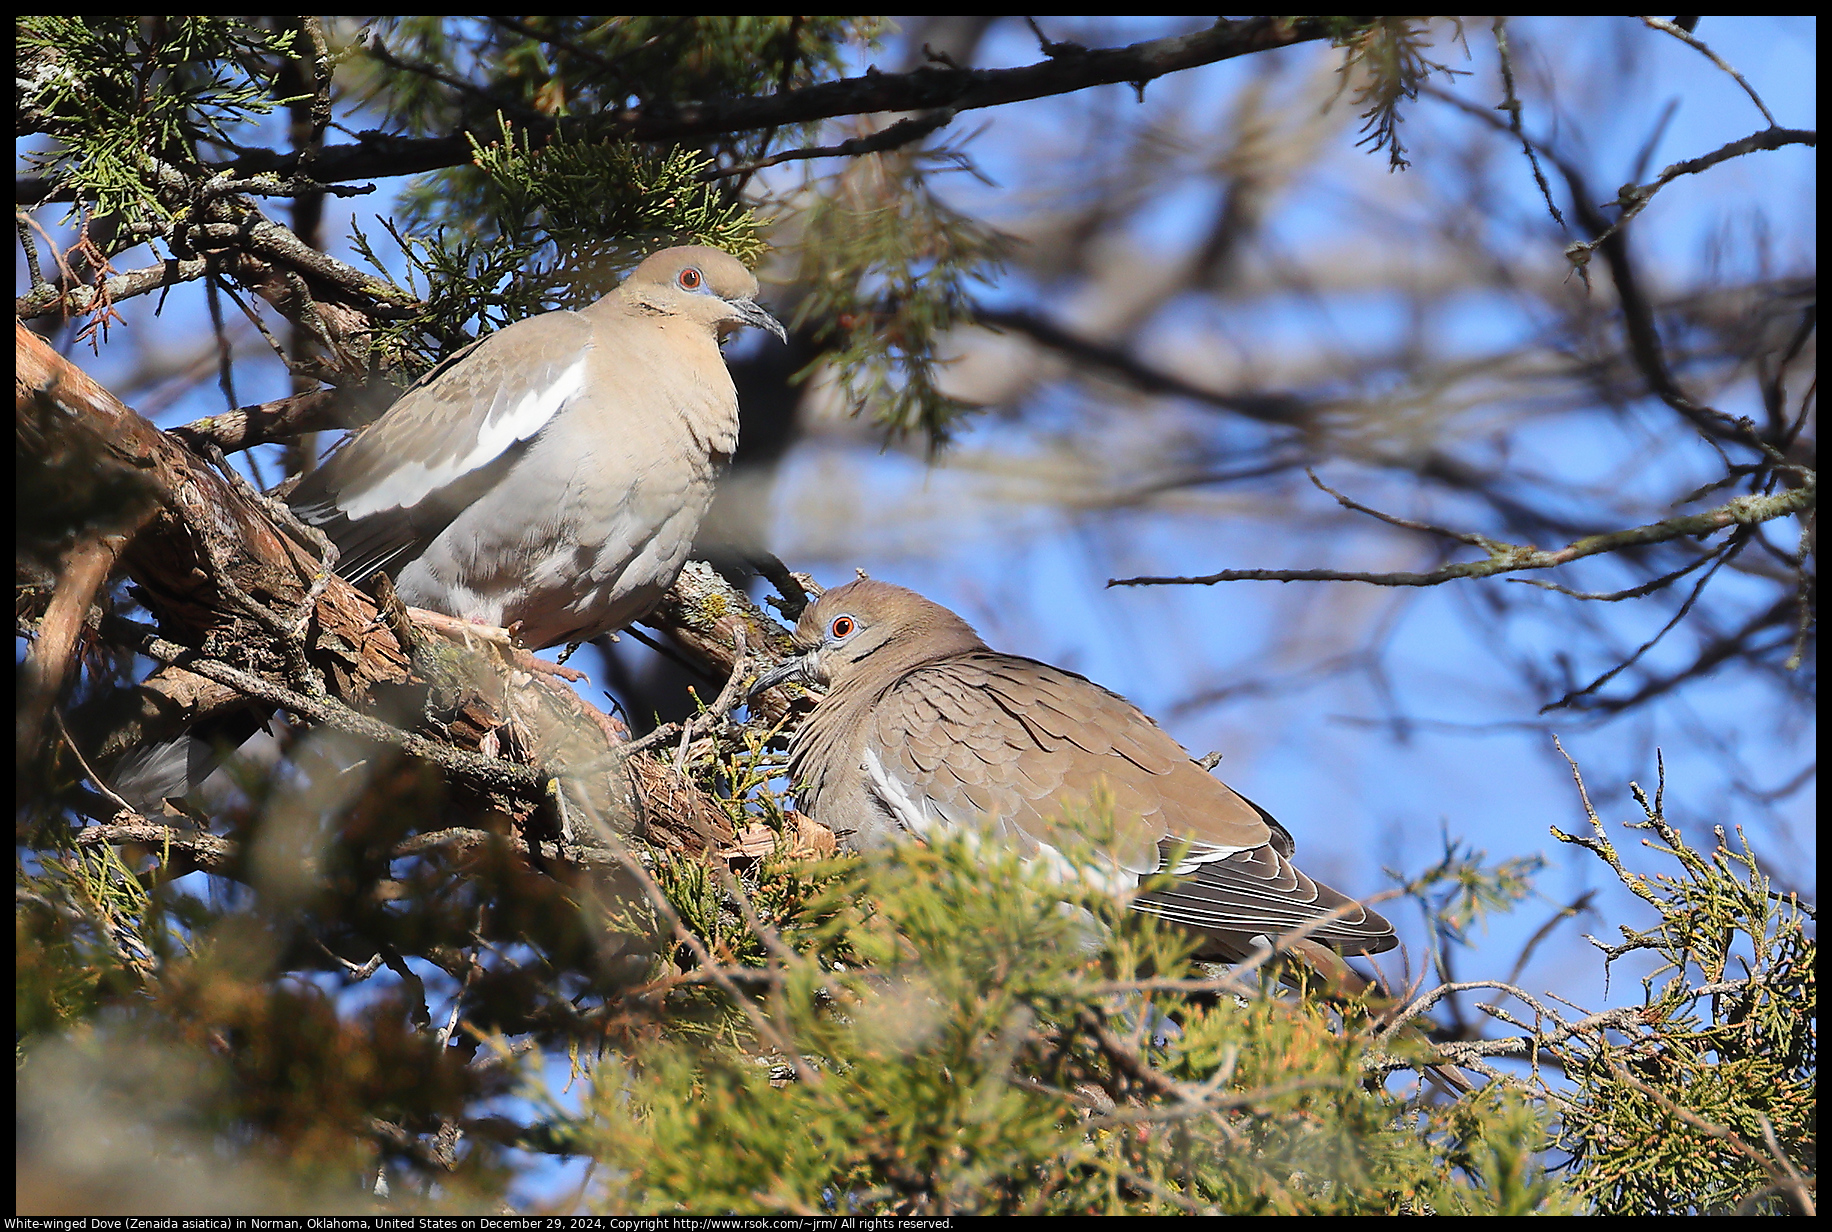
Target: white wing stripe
<point>1200,854</point>
<point>919,814</point>
<point>916,816</point>
<point>409,484</point>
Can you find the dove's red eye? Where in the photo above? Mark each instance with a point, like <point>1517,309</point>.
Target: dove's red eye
<point>841,627</point>
<point>690,278</point>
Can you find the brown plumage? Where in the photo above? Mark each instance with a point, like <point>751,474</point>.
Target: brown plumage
<point>925,729</point>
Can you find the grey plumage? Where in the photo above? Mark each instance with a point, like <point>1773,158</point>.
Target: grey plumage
<point>925,729</point>
<point>555,472</point>
<point>551,475</point>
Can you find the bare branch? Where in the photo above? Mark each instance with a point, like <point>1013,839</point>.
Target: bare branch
<point>1728,552</point>
<point>903,132</point>
<point>1691,40</point>
<point>1509,558</point>
<point>1616,596</point>
<point>1510,103</point>
<point>205,850</point>
<point>247,426</point>
<point>1634,198</point>
<point>1637,312</point>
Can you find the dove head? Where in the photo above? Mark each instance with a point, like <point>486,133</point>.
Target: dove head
<point>870,630</point>
<point>701,284</point>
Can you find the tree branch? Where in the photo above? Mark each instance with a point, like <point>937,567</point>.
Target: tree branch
<point>1510,558</point>
<point>927,88</point>
<point>317,410</point>
<point>898,135</point>
<point>1643,337</point>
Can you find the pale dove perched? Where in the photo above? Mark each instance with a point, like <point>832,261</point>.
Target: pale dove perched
<point>925,729</point>
<point>553,473</point>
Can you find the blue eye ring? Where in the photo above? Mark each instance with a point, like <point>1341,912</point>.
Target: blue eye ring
<point>842,628</point>
<point>691,279</point>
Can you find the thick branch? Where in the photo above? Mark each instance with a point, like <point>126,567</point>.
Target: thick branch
<point>1067,70</point>
<point>702,610</point>
<point>317,410</point>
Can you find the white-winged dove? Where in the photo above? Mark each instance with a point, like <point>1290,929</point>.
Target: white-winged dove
<point>925,729</point>
<point>553,473</point>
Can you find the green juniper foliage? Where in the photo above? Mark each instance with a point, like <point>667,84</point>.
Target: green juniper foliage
<point>955,1033</point>
<point>1462,890</point>
<point>91,921</point>
<point>936,1028</point>
<point>1390,56</point>
<point>123,95</point>
<point>1715,1112</point>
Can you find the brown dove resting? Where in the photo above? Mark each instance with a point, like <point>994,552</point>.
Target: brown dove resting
<point>555,472</point>
<point>925,729</point>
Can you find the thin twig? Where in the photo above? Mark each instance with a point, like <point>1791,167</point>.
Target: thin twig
<point>727,701</point>
<point>1509,558</point>
<point>1474,540</point>
<point>1637,311</point>
<point>729,697</point>
<point>1634,198</point>
<point>353,970</point>
<point>1616,596</point>
<point>100,782</point>
<point>900,134</point>
<point>1726,553</point>
<point>35,276</point>
<point>1510,103</point>
<point>1693,41</point>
